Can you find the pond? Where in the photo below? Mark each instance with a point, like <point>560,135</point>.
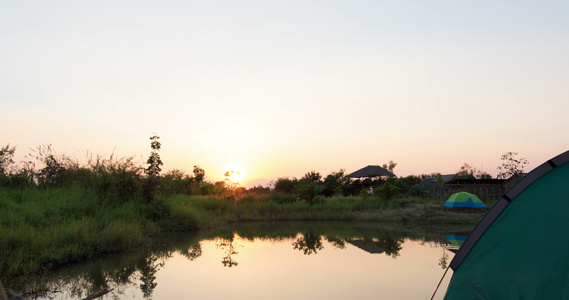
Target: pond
<point>268,261</point>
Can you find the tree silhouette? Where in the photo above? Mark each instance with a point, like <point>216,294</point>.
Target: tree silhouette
<point>511,166</point>
<point>229,246</point>
<point>309,243</point>
<point>193,252</point>
<point>153,170</point>
<point>154,162</point>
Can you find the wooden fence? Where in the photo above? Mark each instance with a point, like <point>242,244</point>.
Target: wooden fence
<point>485,193</point>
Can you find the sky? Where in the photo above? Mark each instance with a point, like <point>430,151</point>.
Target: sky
<point>280,88</point>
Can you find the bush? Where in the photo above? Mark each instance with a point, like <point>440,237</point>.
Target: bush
<point>118,180</point>
<point>387,191</point>
<point>285,185</point>
<point>307,190</point>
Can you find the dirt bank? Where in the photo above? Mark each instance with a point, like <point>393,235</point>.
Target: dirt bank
<point>424,214</point>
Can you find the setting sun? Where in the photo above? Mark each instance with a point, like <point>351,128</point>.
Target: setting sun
<point>237,173</point>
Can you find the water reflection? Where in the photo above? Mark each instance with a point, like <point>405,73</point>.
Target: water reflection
<point>136,275</point>
<point>229,245</point>
<point>309,243</point>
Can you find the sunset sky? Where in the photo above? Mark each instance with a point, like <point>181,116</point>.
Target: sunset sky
<point>280,88</point>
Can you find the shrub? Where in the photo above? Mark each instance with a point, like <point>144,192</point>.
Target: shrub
<point>307,190</point>
<point>387,191</point>
<point>285,185</point>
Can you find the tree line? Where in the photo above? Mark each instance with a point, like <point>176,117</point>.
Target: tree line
<point>123,179</point>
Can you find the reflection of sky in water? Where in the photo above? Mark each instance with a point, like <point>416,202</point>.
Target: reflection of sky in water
<point>274,269</point>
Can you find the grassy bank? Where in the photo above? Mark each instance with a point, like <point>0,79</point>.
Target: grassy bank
<point>40,229</point>
<point>43,228</point>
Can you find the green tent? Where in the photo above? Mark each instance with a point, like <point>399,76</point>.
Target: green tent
<point>464,199</point>
<point>520,248</point>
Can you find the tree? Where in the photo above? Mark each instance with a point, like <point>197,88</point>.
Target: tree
<point>511,165</point>
<point>335,182</point>
<point>230,185</point>
<point>312,176</point>
<point>154,162</point>
<point>6,158</point>
<point>390,166</point>
<point>466,172</point>
<point>285,185</point>
<point>6,161</point>
<point>199,174</point>
<point>307,190</point>
<point>153,170</point>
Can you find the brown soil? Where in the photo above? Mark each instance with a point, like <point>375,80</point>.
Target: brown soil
<point>424,214</point>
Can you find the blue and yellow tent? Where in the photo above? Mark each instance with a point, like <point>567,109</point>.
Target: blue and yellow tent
<point>464,199</point>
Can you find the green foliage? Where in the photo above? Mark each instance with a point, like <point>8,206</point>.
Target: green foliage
<point>199,174</point>
<point>6,159</point>
<point>259,190</point>
<point>406,185</point>
<point>312,176</point>
<point>115,180</point>
<point>335,183</point>
<point>207,188</point>
<point>511,165</point>
<point>55,169</point>
<point>307,190</point>
<point>468,172</point>
<point>390,166</point>
<point>154,162</point>
<point>285,185</point>
<point>281,198</point>
<point>387,191</point>
<point>153,171</point>
<point>465,172</point>
<point>230,187</point>
<point>20,180</point>
<point>9,176</point>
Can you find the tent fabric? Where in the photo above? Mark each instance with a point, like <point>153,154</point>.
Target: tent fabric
<point>520,249</point>
<point>464,199</point>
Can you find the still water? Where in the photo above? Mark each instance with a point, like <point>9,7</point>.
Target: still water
<point>269,261</point>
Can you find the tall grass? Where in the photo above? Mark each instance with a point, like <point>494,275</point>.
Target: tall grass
<point>213,211</point>
<point>41,229</point>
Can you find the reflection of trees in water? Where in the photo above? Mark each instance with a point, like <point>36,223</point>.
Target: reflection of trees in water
<point>117,273</point>
<point>193,252</point>
<point>229,245</point>
<point>443,261</point>
<point>139,270</point>
<point>390,246</point>
<point>309,243</point>
<point>336,241</point>
<point>148,266</point>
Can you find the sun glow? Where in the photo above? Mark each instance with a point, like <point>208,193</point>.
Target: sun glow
<point>237,173</point>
